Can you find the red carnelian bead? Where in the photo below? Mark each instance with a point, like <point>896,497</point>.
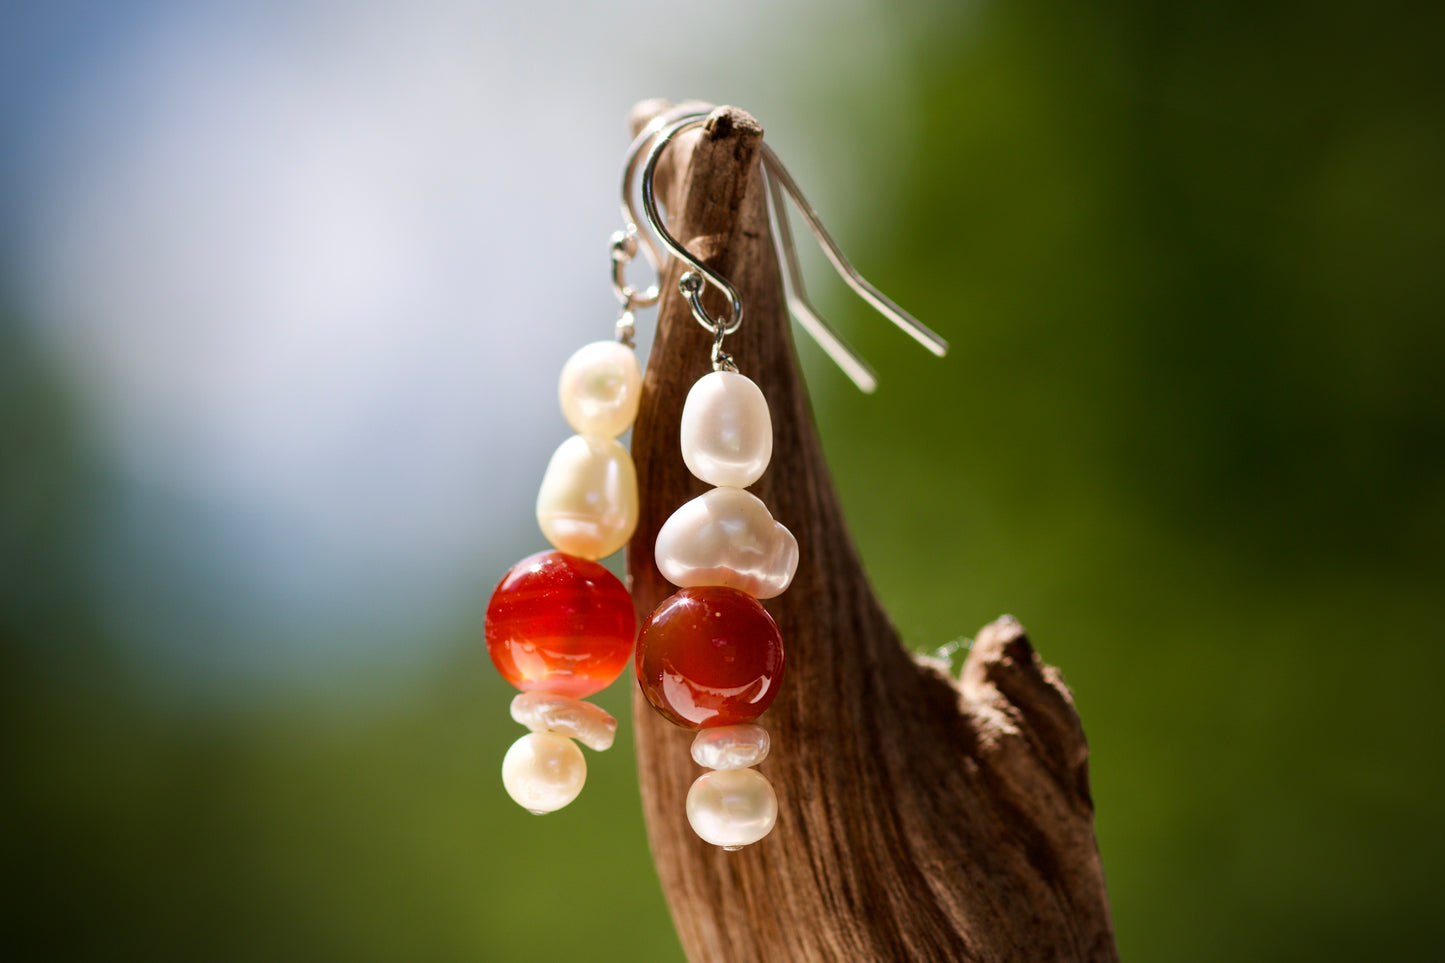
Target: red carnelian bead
<point>561,624</point>
<point>710,656</point>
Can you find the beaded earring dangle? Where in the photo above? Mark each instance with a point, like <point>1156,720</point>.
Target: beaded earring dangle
<point>560,626</point>
<point>710,657</point>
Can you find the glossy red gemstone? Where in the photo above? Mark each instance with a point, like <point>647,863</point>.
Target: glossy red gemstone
<point>710,656</point>
<point>562,624</point>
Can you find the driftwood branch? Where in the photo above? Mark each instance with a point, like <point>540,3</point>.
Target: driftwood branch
<point>921,817</point>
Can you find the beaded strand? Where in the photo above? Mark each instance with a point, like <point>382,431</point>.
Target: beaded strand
<point>710,657</point>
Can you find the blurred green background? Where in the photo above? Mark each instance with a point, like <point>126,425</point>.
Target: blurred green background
<point>1192,433</point>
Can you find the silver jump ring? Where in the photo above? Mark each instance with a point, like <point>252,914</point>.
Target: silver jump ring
<point>624,249</point>
<point>721,360</point>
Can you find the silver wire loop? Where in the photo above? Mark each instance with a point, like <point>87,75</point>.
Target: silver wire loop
<point>627,328</point>
<point>624,248</point>
<point>721,360</point>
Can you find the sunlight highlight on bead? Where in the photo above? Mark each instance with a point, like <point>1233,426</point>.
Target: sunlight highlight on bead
<point>590,725</point>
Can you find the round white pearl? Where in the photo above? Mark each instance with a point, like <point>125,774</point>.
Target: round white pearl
<point>727,433</point>
<point>726,536</point>
<point>543,772</point>
<point>732,807</point>
<point>587,505</point>
<point>731,747</point>
<point>590,725</point>
<point>600,387</point>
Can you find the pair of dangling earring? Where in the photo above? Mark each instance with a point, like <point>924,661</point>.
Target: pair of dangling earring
<point>561,627</point>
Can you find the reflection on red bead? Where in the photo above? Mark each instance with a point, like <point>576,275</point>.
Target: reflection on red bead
<point>710,656</point>
<point>562,624</point>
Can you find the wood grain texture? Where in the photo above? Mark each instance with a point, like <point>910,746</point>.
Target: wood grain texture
<point>921,817</point>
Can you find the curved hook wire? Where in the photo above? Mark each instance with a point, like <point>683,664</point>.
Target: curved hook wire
<point>625,243</point>
<point>691,282</point>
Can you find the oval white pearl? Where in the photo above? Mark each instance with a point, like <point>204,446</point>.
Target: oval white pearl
<point>726,536</point>
<point>727,432</point>
<point>587,505</point>
<point>543,772</point>
<point>731,747</point>
<point>732,808</point>
<point>600,387</point>
<point>590,725</point>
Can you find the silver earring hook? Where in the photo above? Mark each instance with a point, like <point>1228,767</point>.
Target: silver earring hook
<point>801,308</point>
<point>692,282</point>
<point>625,243</point>
<point>780,188</point>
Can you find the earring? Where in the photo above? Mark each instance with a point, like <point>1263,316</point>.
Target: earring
<point>560,626</point>
<point>710,657</point>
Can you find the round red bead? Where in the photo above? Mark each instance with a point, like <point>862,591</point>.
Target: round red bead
<point>562,624</point>
<point>710,656</point>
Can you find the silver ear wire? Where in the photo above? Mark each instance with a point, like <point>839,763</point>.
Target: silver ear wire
<point>625,243</point>
<point>861,285</point>
<point>691,282</point>
<point>801,308</point>
<point>780,188</point>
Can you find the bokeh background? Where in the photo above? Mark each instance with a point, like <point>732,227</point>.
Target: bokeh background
<point>284,290</point>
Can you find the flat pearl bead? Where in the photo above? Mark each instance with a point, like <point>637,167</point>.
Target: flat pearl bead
<point>727,432</point>
<point>600,387</point>
<point>727,537</point>
<point>590,725</point>
<point>730,747</point>
<point>587,505</point>
<point>543,772</point>
<point>732,808</point>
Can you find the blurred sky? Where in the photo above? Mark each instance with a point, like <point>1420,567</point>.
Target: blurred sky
<point>312,267</point>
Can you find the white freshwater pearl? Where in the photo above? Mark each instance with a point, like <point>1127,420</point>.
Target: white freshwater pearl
<point>600,387</point>
<point>727,433</point>
<point>543,772</point>
<point>588,502</point>
<point>590,725</point>
<point>726,536</point>
<point>732,807</point>
<point>731,747</point>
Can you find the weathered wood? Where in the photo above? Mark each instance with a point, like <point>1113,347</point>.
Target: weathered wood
<point>921,818</point>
